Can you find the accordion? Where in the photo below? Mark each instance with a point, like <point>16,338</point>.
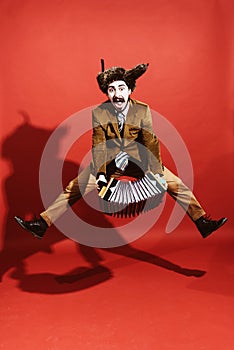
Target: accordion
<point>127,198</point>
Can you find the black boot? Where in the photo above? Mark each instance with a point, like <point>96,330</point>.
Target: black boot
<point>206,225</point>
<point>37,227</point>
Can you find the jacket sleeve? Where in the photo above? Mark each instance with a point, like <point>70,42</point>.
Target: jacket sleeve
<point>98,146</point>
<point>151,142</point>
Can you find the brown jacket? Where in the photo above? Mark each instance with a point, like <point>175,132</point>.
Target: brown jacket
<point>138,138</point>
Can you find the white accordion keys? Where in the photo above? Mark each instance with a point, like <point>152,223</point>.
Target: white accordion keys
<point>126,198</point>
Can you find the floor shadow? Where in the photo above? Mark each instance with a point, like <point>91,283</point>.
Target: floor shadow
<point>150,258</point>
<point>47,283</point>
<point>84,277</point>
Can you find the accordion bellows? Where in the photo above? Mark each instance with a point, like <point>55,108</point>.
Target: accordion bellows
<point>127,198</point>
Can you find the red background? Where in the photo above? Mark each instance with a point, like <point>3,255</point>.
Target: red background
<point>50,56</point>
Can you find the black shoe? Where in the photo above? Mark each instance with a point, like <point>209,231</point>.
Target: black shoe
<point>37,227</point>
<point>206,225</point>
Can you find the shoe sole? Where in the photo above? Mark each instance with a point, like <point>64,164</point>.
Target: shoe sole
<point>26,229</point>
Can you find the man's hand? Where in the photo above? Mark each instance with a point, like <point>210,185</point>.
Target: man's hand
<point>101,181</point>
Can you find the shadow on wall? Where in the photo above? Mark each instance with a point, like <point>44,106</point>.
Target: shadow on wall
<point>23,149</point>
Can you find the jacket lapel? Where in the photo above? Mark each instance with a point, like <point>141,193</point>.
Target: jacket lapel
<point>130,119</point>
<point>113,121</point>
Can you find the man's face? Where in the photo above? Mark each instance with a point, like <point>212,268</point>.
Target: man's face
<point>118,93</point>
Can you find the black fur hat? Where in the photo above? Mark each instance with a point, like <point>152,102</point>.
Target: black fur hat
<point>118,73</point>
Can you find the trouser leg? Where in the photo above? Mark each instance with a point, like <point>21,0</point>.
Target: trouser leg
<point>183,195</point>
<point>76,188</point>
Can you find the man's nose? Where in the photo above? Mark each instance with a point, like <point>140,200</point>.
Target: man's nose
<point>117,93</point>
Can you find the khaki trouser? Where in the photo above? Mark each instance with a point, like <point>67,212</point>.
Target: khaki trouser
<point>86,182</point>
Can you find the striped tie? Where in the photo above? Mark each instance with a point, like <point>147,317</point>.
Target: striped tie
<point>121,120</point>
<point>121,160</point>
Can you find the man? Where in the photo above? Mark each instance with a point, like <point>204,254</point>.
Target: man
<point>123,143</point>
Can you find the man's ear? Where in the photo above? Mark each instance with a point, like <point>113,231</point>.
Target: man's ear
<point>129,92</point>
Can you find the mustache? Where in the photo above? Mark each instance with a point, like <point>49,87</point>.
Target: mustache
<point>118,99</point>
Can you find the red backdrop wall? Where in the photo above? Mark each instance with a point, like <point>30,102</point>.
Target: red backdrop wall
<point>50,56</point>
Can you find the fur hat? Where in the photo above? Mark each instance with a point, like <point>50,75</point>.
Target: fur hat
<point>118,73</point>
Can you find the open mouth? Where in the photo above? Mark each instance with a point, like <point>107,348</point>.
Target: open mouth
<point>119,105</point>
<point>119,102</point>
